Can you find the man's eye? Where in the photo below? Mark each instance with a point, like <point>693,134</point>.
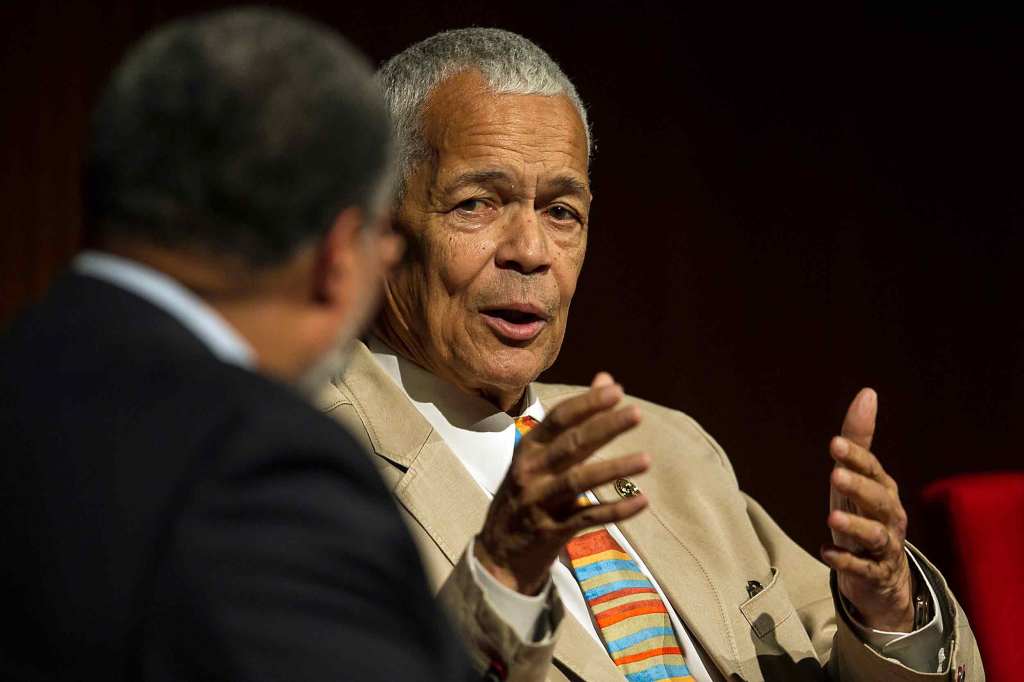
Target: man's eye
<point>471,205</point>
<point>562,213</point>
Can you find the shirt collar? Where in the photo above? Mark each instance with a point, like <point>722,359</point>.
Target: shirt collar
<point>174,299</point>
<point>480,435</point>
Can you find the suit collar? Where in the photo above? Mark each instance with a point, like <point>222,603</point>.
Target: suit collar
<point>89,307</point>
<point>170,296</point>
<point>481,436</point>
<point>396,429</point>
<point>434,487</point>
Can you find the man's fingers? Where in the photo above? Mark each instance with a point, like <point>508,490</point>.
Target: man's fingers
<point>570,484</point>
<point>873,536</point>
<point>861,460</point>
<point>601,514</point>
<point>602,379</point>
<point>581,441</point>
<point>845,562</point>
<point>859,424</point>
<point>577,409</point>
<point>871,498</point>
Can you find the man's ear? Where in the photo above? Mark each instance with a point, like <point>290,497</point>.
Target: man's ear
<point>338,255</point>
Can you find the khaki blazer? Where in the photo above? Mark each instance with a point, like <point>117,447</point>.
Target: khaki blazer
<point>701,537</point>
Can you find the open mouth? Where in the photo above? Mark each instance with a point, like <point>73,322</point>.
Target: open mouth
<point>519,323</point>
<point>513,316</point>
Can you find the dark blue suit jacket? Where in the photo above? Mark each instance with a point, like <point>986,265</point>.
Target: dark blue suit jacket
<point>167,516</point>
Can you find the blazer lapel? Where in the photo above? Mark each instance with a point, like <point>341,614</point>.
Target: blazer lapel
<point>434,487</point>
<point>396,429</point>
<point>442,497</point>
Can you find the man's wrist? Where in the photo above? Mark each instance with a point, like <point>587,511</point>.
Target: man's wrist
<point>899,614</point>
<point>923,650</point>
<point>901,620</point>
<point>530,617</point>
<point>504,574</point>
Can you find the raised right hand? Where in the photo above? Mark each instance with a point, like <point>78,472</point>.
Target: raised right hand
<point>535,511</point>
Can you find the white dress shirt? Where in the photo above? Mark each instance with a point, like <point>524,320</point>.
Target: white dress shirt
<point>483,438</point>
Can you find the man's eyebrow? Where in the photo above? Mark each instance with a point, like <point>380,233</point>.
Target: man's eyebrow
<point>476,178</point>
<point>563,185</point>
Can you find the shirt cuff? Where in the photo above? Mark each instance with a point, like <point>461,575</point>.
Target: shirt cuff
<point>922,650</point>
<point>529,617</point>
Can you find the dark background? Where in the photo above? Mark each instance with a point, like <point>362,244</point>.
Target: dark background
<point>789,205</point>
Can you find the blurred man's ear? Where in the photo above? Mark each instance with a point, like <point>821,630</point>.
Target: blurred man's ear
<point>337,256</point>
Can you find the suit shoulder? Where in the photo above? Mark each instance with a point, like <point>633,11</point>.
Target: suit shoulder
<point>335,400</point>
<point>552,394</point>
<point>332,395</point>
<point>264,421</point>
<point>277,411</point>
<point>659,422</point>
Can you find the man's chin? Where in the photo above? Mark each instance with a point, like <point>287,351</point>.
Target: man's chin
<point>513,368</point>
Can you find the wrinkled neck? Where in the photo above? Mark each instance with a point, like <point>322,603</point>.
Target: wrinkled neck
<point>393,330</point>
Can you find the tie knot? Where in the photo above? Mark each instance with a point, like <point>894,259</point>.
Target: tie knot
<point>525,423</point>
<point>523,426</point>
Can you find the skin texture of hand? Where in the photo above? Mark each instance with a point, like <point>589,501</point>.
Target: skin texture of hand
<point>868,527</point>
<point>534,512</point>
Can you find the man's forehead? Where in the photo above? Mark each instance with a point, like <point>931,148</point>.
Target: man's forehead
<point>529,138</point>
<point>557,182</point>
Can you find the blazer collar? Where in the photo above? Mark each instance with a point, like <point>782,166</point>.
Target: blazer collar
<point>396,429</point>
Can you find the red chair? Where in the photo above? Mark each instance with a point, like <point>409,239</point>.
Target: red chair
<point>980,517</point>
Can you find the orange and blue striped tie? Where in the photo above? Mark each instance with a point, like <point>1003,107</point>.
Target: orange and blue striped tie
<point>629,613</point>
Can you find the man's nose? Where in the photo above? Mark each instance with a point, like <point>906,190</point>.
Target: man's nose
<point>525,246</point>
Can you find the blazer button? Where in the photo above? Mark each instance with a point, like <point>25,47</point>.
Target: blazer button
<point>626,488</point>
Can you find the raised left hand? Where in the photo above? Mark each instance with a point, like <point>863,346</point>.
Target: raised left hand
<point>869,526</point>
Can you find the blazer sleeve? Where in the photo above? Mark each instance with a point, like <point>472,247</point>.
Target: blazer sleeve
<point>490,640</point>
<point>287,560</point>
<point>847,657</point>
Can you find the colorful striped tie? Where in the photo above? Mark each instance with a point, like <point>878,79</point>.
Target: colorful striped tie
<point>629,613</point>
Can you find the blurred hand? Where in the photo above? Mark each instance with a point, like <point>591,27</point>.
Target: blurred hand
<point>535,511</point>
<point>869,526</point>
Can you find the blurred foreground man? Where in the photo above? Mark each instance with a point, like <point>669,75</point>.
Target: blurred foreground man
<point>494,201</point>
<point>173,508</point>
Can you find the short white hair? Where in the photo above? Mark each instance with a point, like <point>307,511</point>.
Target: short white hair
<point>508,62</point>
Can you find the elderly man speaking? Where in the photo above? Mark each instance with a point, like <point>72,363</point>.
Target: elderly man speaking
<point>527,489</point>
